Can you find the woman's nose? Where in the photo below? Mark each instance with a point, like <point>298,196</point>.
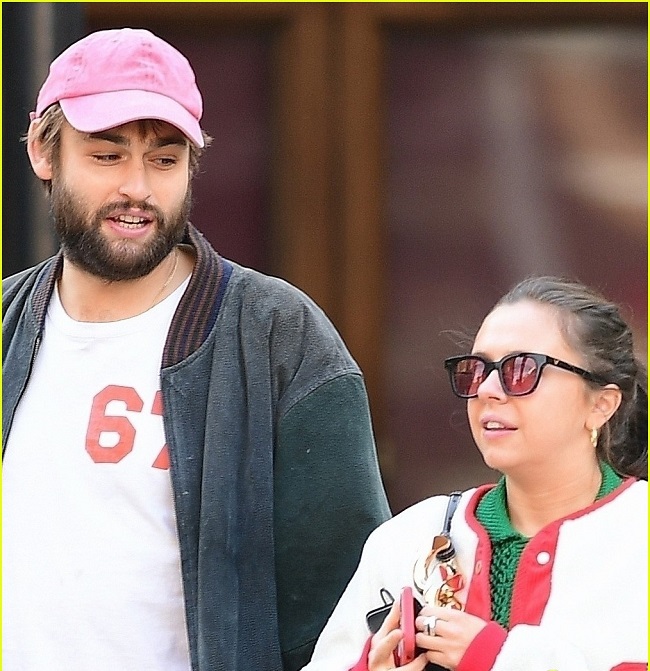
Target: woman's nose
<point>491,387</point>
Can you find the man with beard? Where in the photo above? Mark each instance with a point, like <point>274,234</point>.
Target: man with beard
<point>189,471</point>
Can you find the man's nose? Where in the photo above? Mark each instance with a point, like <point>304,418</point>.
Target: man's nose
<point>135,183</point>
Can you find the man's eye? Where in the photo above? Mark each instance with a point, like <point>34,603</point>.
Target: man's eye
<point>106,158</point>
<point>166,161</point>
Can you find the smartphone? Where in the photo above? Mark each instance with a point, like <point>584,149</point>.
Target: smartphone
<point>409,609</point>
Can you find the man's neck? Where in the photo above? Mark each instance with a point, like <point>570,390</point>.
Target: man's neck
<point>88,298</point>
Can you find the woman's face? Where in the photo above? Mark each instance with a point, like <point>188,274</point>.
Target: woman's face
<point>543,430</point>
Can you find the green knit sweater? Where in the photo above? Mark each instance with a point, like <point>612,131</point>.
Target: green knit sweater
<point>508,543</point>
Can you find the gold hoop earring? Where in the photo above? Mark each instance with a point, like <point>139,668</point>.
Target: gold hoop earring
<point>594,437</point>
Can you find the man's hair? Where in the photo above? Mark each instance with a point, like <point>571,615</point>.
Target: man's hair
<point>48,132</point>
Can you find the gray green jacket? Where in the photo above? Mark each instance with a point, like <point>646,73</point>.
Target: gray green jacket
<point>273,463</point>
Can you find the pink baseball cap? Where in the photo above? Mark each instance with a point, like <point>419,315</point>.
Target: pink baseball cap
<point>113,77</point>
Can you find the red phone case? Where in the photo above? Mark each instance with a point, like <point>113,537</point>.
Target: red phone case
<point>406,647</point>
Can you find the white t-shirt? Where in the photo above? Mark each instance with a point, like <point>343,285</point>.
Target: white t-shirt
<point>91,562</point>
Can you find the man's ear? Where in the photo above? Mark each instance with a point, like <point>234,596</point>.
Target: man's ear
<point>606,403</point>
<point>41,160</point>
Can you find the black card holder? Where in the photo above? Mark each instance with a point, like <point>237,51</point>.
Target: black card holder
<point>375,617</point>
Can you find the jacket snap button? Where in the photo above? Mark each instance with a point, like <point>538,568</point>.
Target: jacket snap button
<point>543,558</point>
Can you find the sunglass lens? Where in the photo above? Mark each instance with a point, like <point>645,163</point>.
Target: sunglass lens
<point>468,375</point>
<point>519,374</point>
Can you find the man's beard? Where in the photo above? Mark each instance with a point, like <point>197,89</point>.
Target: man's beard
<point>85,245</point>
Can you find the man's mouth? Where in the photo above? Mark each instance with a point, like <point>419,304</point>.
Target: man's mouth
<point>129,221</point>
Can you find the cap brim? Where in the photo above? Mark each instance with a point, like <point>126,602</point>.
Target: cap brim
<point>101,111</point>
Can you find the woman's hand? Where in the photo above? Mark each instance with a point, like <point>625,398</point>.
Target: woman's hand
<point>447,637</point>
<point>384,643</point>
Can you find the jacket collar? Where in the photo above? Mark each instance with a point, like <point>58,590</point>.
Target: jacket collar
<point>196,313</point>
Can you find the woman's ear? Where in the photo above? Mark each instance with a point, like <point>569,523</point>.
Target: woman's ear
<point>41,160</point>
<point>606,403</point>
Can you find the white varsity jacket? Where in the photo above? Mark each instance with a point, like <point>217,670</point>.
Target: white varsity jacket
<point>579,598</point>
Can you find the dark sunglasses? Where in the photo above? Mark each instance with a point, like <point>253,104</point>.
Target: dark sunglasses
<point>519,374</point>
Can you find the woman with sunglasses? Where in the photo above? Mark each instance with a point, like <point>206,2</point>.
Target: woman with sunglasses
<point>546,570</point>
